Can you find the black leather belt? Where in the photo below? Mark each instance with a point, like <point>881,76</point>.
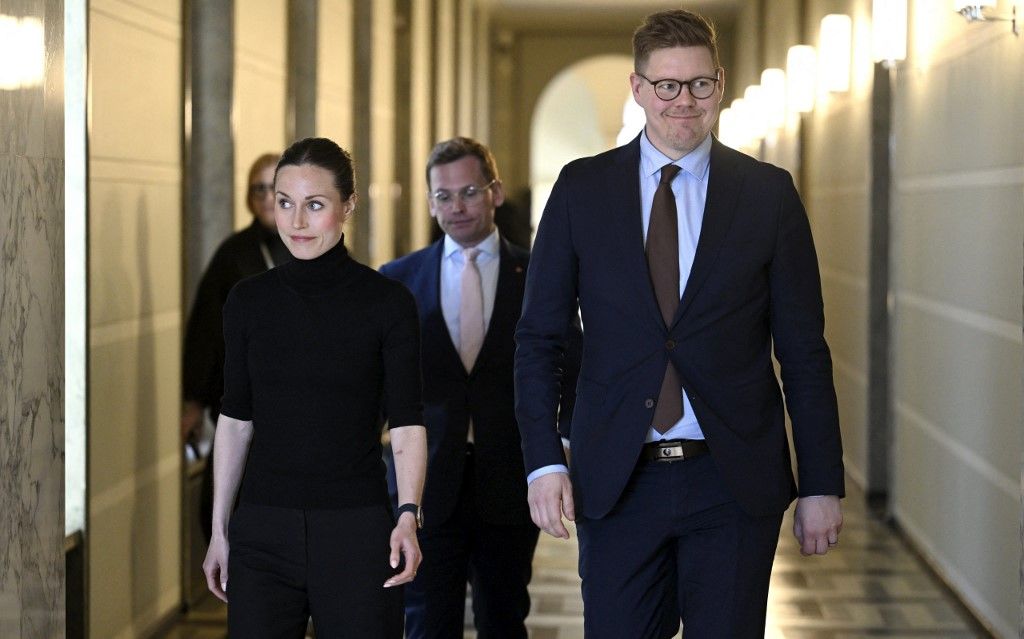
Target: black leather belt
<point>673,450</point>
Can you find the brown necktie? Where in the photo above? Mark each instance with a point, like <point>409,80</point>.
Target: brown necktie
<point>663,264</point>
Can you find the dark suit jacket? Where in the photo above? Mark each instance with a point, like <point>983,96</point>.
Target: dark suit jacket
<point>754,283</point>
<point>451,396</point>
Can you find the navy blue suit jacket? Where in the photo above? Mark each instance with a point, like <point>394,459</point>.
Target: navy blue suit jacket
<point>754,283</point>
<point>451,395</point>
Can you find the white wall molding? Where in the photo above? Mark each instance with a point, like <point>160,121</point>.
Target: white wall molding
<point>969,457</point>
<point>1009,331</point>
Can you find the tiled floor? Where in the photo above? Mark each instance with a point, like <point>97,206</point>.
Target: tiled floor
<point>872,586</point>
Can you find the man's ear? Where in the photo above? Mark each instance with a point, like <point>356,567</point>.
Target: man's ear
<point>498,189</point>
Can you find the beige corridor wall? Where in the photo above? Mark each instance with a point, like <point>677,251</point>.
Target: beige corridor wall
<point>837,194</point>
<point>957,254</point>
<point>258,115</point>
<point>135,176</point>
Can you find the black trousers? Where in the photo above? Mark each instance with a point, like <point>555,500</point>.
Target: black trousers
<point>496,560</point>
<point>285,565</point>
<point>676,545</point>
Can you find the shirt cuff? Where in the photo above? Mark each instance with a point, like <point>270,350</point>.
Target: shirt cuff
<point>546,470</point>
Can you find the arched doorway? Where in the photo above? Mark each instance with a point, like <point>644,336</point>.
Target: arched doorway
<point>585,109</point>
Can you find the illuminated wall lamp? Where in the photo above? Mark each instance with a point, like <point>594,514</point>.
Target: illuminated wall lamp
<point>757,122</point>
<point>889,31</point>
<point>801,69</point>
<point>975,11</point>
<point>836,42</point>
<point>22,52</point>
<point>773,84</point>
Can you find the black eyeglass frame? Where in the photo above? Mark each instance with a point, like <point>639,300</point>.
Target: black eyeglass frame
<point>684,83</point>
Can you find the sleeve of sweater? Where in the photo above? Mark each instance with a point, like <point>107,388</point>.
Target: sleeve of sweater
<point>237,400</point>
<point>403,385</point>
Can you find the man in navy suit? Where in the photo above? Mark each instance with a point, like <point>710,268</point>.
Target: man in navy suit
<point>469,287</point>
<point>689,262</point>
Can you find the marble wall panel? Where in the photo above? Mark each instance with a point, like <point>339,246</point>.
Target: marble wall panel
<point>31,383</point>
<point>32,340</point>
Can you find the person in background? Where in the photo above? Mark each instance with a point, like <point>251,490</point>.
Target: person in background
<point>690,263</point>
<point>316,352</point>
<point>469,289</point>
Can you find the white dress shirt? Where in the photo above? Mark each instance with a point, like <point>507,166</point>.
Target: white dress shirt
<point>452,263</point>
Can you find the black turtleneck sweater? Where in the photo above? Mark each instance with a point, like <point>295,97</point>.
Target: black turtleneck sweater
<point>317,351</point>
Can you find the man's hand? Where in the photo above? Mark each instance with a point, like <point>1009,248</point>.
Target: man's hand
<point>191,420</point>
<point>550,496</point>
<point>816,523</point>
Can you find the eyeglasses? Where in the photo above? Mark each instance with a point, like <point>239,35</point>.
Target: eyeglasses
<point>668,89</point>
<point>469,195</point>
<point>260,189</point>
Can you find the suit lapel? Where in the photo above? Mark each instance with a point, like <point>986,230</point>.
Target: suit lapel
<point>511,280</point>
<point>624,200</point>
<point>434,326</point>
<point>724,186</point>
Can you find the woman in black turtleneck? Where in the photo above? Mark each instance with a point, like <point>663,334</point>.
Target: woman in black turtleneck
<point>316,351</point>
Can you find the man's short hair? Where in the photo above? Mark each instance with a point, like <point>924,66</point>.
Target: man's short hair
<point>673,28</point>
<point>457,148</point>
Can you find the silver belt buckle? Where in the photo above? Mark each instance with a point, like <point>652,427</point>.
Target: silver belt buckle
<point>673,452</point>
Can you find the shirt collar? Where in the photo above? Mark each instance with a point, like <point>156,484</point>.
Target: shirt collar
<point>488,246</point>
<point>695,162</point>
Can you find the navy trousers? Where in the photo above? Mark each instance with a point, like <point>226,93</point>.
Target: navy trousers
<point>676,547</point>
<point>495,560</point>
<point>287,565</point>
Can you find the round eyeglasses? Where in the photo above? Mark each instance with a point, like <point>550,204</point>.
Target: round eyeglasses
<point>668,89</point>
<point>470,195</point>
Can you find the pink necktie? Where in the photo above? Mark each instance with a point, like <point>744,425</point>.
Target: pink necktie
<point>471,310</point>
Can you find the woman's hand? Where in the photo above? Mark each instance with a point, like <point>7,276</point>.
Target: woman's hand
<point>215,566</point>
<point>404,544</point>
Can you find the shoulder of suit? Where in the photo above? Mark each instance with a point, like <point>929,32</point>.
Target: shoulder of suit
<point>406,264</point>
<point>518,253</point>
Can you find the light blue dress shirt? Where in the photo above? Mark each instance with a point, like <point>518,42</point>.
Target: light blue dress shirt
<point>690,188</point>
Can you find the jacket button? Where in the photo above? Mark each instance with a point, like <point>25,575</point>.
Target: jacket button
<point>670,344</point>
<point>649,403</point>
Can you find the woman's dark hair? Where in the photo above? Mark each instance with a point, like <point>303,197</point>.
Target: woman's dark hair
<point>325,154</point>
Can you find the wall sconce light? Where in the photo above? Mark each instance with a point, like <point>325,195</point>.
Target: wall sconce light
<point>801,68</point>
<point>757,121</point>
<point>22,52</point>
<point>975,11</point>
<point>889,31</point>
<point>739,124</point>
<point>773,84</point>
<point>836,43</point>
<point>727,129</point>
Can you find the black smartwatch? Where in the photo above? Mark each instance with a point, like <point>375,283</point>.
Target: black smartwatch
<point>414,509</point>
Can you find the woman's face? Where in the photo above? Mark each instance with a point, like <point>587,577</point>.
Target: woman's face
<point>261,195</point>
<point>309,210</point>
